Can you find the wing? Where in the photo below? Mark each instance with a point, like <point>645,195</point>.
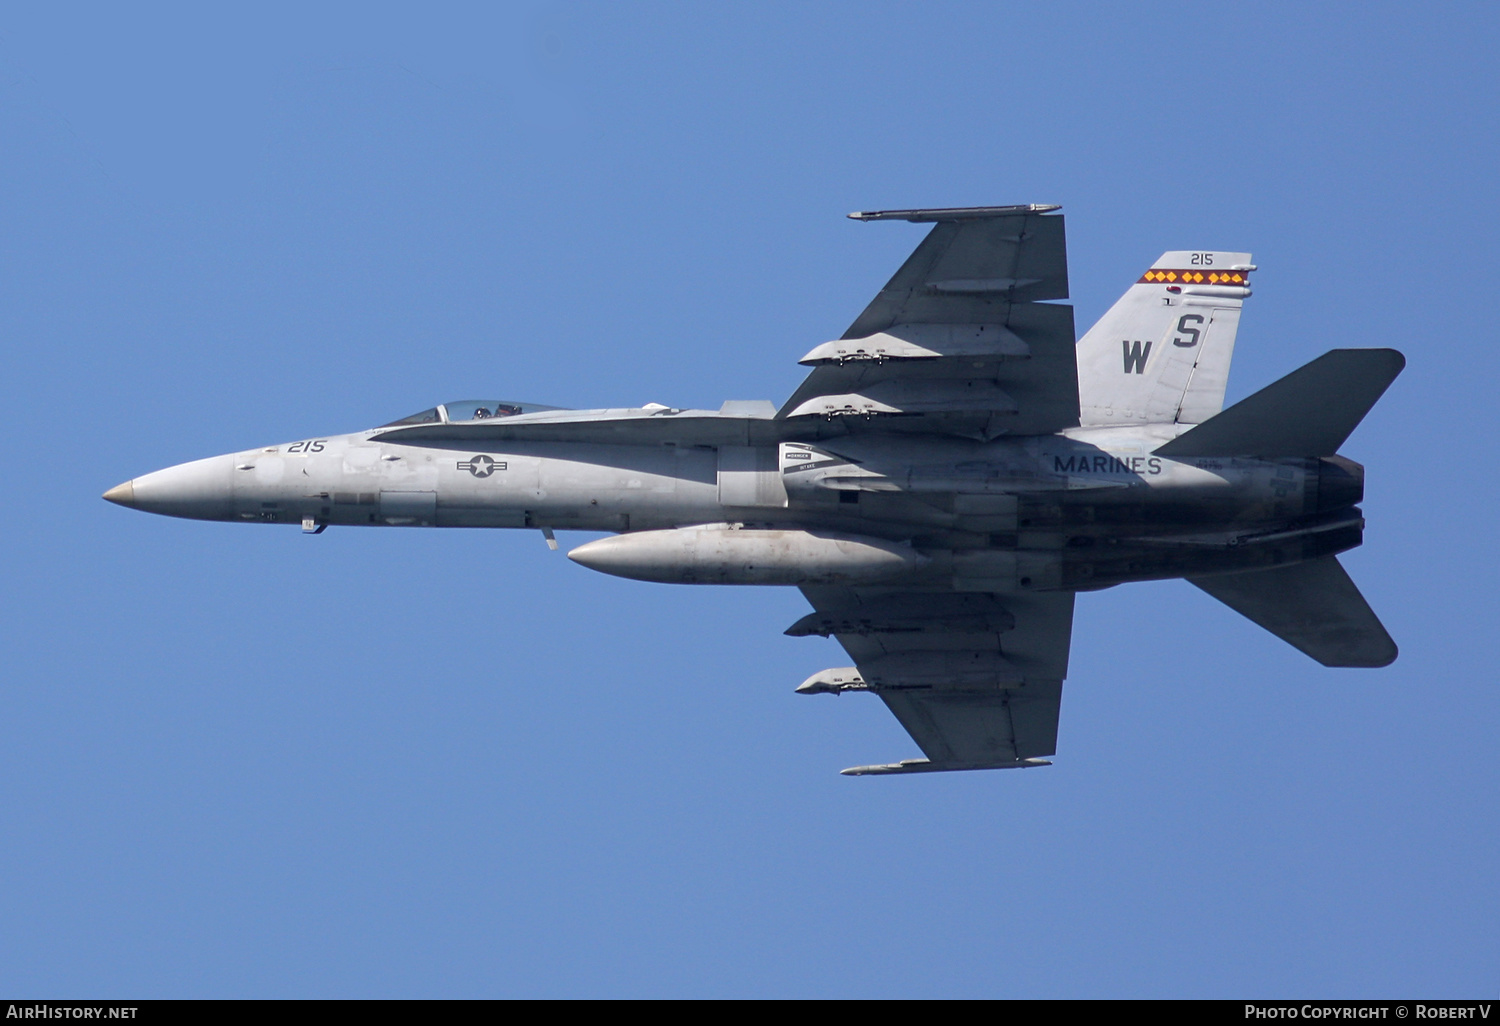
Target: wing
<point>975,678</point>
<point>959,340</point>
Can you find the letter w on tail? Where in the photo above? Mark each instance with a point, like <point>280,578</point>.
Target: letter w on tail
<point>1136,355</point>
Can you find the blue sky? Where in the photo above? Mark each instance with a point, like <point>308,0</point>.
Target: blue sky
<point>243,762</point>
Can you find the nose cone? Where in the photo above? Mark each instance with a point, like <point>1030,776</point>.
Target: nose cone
<point>122,494</point>
<point>201,490</point>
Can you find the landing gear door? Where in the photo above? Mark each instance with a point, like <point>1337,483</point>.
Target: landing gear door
<point>408,509</point>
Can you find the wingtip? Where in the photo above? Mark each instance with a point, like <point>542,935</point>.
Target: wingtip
<point>927,766</point>
<point>1380,656</point>
<point>927,215</point>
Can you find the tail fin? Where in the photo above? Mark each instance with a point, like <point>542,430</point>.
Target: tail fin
<point>1313,606</point>
<point>1161,354</point>
<point>1307,413</point>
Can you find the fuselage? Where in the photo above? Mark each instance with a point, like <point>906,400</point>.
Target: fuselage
<point>1081,509</point>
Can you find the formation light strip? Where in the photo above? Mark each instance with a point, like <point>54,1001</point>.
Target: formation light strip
<point>1195,277</point>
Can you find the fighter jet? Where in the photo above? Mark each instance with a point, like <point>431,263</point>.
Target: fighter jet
<point>951,473</point>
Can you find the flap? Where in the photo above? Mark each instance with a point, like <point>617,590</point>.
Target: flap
<point>976,679</point>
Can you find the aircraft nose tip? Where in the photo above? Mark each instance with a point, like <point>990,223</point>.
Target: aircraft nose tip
<point>122,494</point>
<point>200,490</point>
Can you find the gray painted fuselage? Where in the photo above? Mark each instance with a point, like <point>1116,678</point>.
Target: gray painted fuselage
<point>1085,508</point>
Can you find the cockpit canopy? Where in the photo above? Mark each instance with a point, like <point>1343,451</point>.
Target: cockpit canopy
<point>470,410</point>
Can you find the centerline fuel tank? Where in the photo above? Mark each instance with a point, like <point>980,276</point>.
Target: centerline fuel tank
<point>728,554</point>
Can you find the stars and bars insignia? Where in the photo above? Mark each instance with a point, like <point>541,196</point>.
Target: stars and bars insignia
<point>481,466</point>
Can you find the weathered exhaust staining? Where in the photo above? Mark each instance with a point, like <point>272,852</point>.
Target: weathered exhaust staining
<point>952,471</point>
<point>1166,558</point>
<point>1341,483</point>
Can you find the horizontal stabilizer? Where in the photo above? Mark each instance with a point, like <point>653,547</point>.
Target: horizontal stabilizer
<point>1310,412</point>
<point>1312,606</point>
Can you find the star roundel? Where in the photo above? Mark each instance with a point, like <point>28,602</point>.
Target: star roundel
<point>479,466</point>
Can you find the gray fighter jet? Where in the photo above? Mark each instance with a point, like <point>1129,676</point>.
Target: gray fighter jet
<point>950,474</point>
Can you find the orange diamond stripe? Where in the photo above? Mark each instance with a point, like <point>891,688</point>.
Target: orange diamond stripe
<point>1154,275</point>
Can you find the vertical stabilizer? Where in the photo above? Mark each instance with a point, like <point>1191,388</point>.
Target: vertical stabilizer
<point>1161,354</point>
